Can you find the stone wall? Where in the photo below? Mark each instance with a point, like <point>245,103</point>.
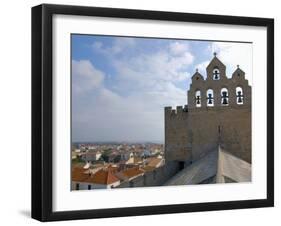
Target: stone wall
<point>193,131</point>
<point>229,126</point>
<point>156,177</point>
<point>190,135</point>
<point>176,135</point>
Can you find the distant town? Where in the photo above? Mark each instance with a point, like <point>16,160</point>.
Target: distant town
<point>111,165</point>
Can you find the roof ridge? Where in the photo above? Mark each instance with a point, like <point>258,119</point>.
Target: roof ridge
<point>110,174</point>
<point>107,178</point>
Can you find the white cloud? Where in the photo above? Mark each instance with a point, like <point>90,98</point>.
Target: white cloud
<point>107,116</point>
<point>97,46</point>
<point>119,45</point>
<point>178,48</point>
<point>134,109</point>
<point>85,76</point>
<point>149,68</point>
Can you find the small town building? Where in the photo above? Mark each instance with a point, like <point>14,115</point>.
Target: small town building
<point>91,156</point>
<point>85,180</point>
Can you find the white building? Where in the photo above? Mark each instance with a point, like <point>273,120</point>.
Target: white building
<point>91,156</point>
<point>84,180</point>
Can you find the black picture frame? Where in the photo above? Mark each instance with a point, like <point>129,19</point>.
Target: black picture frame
<point>42,106</point>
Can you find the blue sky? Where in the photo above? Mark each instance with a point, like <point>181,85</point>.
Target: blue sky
<point>120,85</point>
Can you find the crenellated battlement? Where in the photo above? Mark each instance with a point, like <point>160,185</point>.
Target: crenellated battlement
<point>180,110</point>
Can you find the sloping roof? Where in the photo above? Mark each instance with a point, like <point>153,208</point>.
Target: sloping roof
<point>137,160</point>
<point>132,172</point>
<point>134,160</point>
<point>113,168</point>
<point>154,162</point>
<point>198,171</point>
<point>216,62</point>
<point>232,167</point>
<point>102,177</point>
<point>148,168</point>
<point>238,70</point>
<point>79,174</point>
<point>238,73</point>
<point>216,167</point>
<point>198,75</point>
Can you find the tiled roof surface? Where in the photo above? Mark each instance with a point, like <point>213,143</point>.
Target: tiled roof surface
<point>100,177</point>
<point>132,172</point>
<point>154,162</point>
<point>148,168</point>
<point>78,174</point>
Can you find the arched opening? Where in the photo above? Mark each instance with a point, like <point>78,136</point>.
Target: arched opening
<point>216,73</point>
<point>224,97</point>
<point>198,98</point>
<point>181,165</point>
<point>239,95</point>
<point>210,98</point>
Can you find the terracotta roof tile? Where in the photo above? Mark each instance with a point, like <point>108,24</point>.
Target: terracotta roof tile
<point>79,174</point>
<point>112,168</point>
<point>149,168</point>
<point>154,162</point>
<point>102,177</point>
<point>132,172</point>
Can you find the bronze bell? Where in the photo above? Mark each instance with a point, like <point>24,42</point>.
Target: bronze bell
<point>198,100</point>
<point>240,100</point>
<point>240,97</point>
<point>224,100</point>
<point>210,101</point>
<point>216,75</point>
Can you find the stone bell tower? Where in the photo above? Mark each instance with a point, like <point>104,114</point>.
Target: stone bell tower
<point>218,112</point>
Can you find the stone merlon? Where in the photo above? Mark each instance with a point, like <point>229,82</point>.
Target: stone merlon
<point>179,109</point>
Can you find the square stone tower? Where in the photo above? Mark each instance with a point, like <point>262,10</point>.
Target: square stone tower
<point>218,112</point>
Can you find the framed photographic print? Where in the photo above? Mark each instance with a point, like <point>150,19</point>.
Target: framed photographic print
<point>145,112</point>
